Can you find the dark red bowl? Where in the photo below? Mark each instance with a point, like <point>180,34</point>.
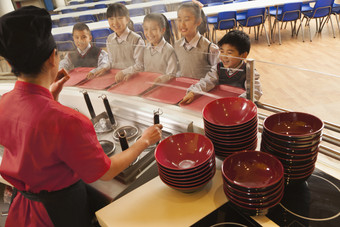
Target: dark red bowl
<point>265,205</point>
<point>294,125</point>
<point>285,155</point>
<point>232,136</point>
<point>256,200</point>
<point>191,172</point>
<point>229,111</point>
<point>253,194</point>
<point>184,151</point>
<point>222,153</point>
<point>292,143</point>
<point>252,170</point>
<point>185,182</point>
<point>236,146</point>
<point>299,150</point>
<point>231,129</point>
<point>186,178</point>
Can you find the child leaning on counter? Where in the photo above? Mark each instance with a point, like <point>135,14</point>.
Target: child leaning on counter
<point>159,55</point>
<point>195,53</point>
<point>86,55</point>
<point>234,48</point>
<point>125,47</point>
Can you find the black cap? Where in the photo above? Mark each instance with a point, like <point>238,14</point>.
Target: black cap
<point>25,38</point>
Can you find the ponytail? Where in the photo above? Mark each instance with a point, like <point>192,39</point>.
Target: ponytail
<point>168,35</point>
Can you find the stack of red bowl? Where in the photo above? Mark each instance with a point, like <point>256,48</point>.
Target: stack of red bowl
<point>253,181</point>
<point>186,161</point>
<point>231,124</point>
<point>294,138</point>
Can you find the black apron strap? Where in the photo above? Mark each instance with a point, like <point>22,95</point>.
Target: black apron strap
<point>66,207</point>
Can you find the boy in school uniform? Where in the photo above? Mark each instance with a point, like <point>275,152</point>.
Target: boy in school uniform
<point>86,54</point>
<point>234,48</point>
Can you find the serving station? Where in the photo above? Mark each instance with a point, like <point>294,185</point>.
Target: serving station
<point>140,197</point>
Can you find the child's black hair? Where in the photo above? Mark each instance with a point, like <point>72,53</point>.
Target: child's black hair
<point>81,27</point>
<point>163,23</point>
<point>117,10</point>
<point>238,39</point>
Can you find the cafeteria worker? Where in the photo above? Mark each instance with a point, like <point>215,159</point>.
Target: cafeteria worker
<point>50,150</point>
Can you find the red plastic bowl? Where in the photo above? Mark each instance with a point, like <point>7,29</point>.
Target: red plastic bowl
<point>252,169</point>
<point>233,129</point>
<point>293,124</point>
<point>230,111</point>
<point>184,151</point>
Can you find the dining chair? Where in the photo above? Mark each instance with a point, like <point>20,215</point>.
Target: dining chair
<point>67,11</point>
<point>158,9</point>
<point>99,37</point>
<point>89,18</point>
<point>83,8</point>
<point>138,28</point>
<point>290,12</point>
<point>74,3</point>
<point>64,42</point>
<point>136,12</point>
<point>66,21</point>
<point>255,18</point>
<point>322,10</point>
<point>336,13</point>
<point>225,21</point>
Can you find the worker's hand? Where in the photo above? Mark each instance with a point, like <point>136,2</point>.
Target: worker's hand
<point>188,98</point>
<point>90,75</point>
<point>100,72</point>
<point>57,85</point>
<point>152,134</point>
<point>119,76</point>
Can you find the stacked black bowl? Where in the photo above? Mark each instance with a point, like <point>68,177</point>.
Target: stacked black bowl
<point>231,124</point>
<point>253,181</point>
<point>294,138</point>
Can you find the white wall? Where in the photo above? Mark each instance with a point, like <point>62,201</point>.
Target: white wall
<point>6,6</point>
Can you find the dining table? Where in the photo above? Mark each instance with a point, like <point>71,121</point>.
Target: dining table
<point>208,10</point>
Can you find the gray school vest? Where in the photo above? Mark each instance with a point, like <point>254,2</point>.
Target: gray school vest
<point>194,63</point>
<point>158,62</point>
<point>122,53</point>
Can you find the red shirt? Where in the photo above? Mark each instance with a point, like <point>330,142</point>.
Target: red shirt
<point>48,146</point>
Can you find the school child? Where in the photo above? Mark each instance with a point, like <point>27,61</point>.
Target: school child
<point>125,47</point>
<point>86,55</point>
<point>196,54</point>
<point>159,55</point>
<point>232,70</point>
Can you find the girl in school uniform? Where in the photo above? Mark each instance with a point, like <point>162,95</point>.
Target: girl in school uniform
<point>196,54</point>
<point>125,47</point>
<point>159,55</point>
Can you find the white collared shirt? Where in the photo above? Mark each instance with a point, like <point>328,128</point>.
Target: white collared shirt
<point>103,60</point>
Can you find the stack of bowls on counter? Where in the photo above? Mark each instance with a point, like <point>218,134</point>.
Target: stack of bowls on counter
<point>186,161</point>
<point>231,124</point>
<point>294,138</point>
<point>253,181</point>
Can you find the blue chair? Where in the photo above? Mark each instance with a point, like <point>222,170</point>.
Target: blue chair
<point>288,12</point>
<point>213,19</point>
<point>225,21</point>
<point>64,42</point>
<point>81,8</point>
<point>136,12</point>
<point>206,2</point>
<point>87,18</point>
<point>66,21</point>
<point>255,17</point>
<point>322,10</point>
<point>88,1</point>
<point>158,9</point>
<point>100,6</point>
<point>67,11</point>
<point>74,3</point>
<point>138,28</point>
<point>306,7</point>
<point>240,15</point>
<point>99,37</point>
<point>136,1</point>
<point>336,12</point>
